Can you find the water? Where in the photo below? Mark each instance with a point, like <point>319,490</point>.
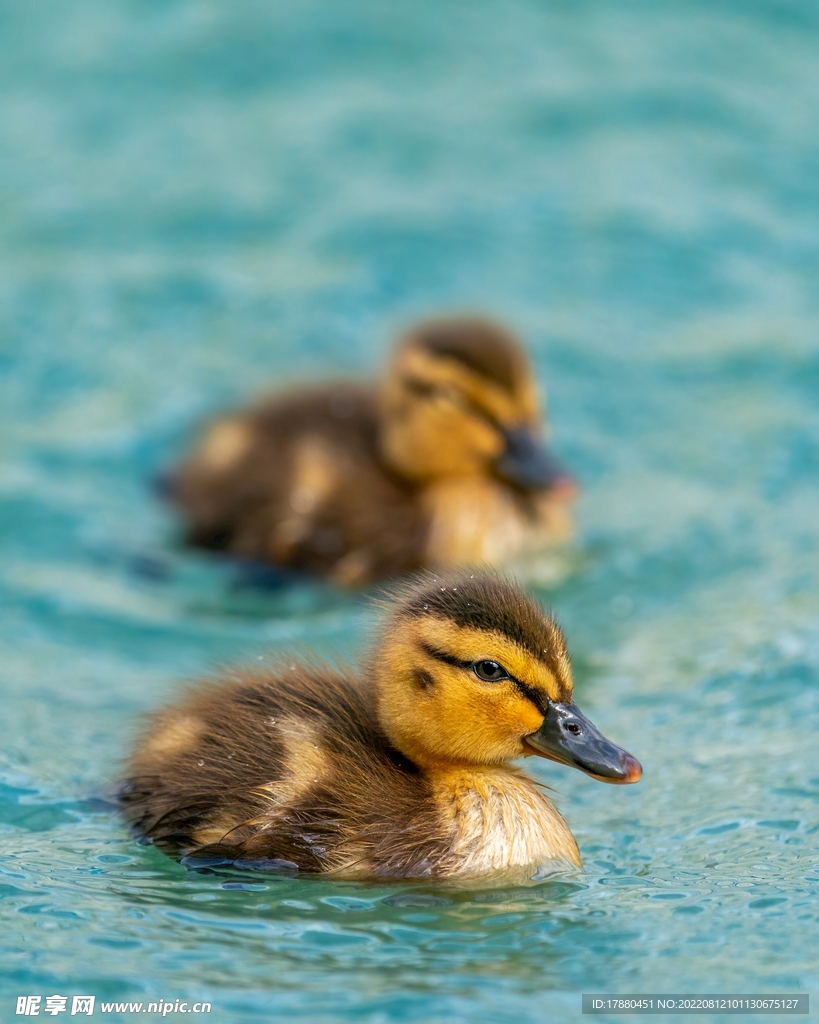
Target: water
<point>198,198</point>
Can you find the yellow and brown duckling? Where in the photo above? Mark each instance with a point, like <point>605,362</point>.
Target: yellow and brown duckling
<point>402,769</point>
<point>441,462</point>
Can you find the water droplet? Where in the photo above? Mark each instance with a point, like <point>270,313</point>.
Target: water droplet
<point>200,763</point>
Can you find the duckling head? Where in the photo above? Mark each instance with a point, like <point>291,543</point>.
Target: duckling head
<point>459,399</point>
<point>472,671</point>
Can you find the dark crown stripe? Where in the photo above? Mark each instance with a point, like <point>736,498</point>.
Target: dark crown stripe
<point>489,357</point>
<point>479,345</point>
<point>528,631</point>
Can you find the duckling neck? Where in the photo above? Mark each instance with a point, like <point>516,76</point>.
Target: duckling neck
<point>474,519</point>
<point>500,822</point>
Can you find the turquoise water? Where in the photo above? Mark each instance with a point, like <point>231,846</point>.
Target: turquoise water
<point>198,198</point>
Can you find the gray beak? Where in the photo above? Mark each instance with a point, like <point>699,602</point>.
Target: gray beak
<point>528,463</point>
<point>569,737</point>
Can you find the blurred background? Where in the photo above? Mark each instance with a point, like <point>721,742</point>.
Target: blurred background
<point>199,200</point>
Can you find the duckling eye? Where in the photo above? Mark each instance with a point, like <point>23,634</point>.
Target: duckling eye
<point>490,671</point>
<point>426,389</point>
<point>418,387</point>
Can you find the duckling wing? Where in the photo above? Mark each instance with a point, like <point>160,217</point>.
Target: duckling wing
<point>288,767</point>
<point>299,481</point>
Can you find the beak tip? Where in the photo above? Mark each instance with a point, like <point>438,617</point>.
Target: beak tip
<point>633,769</point>
<point>565,489</point>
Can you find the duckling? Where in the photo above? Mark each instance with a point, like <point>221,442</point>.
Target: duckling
<point>400,770</point>
<point>439,463</point>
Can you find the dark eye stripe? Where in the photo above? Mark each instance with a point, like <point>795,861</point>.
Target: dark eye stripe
<point>537,697</point>
<point>447,659</point>
<point>424,389</point>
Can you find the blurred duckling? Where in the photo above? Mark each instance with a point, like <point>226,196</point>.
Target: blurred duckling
<point>441,462</point>
<point>401,769</point>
